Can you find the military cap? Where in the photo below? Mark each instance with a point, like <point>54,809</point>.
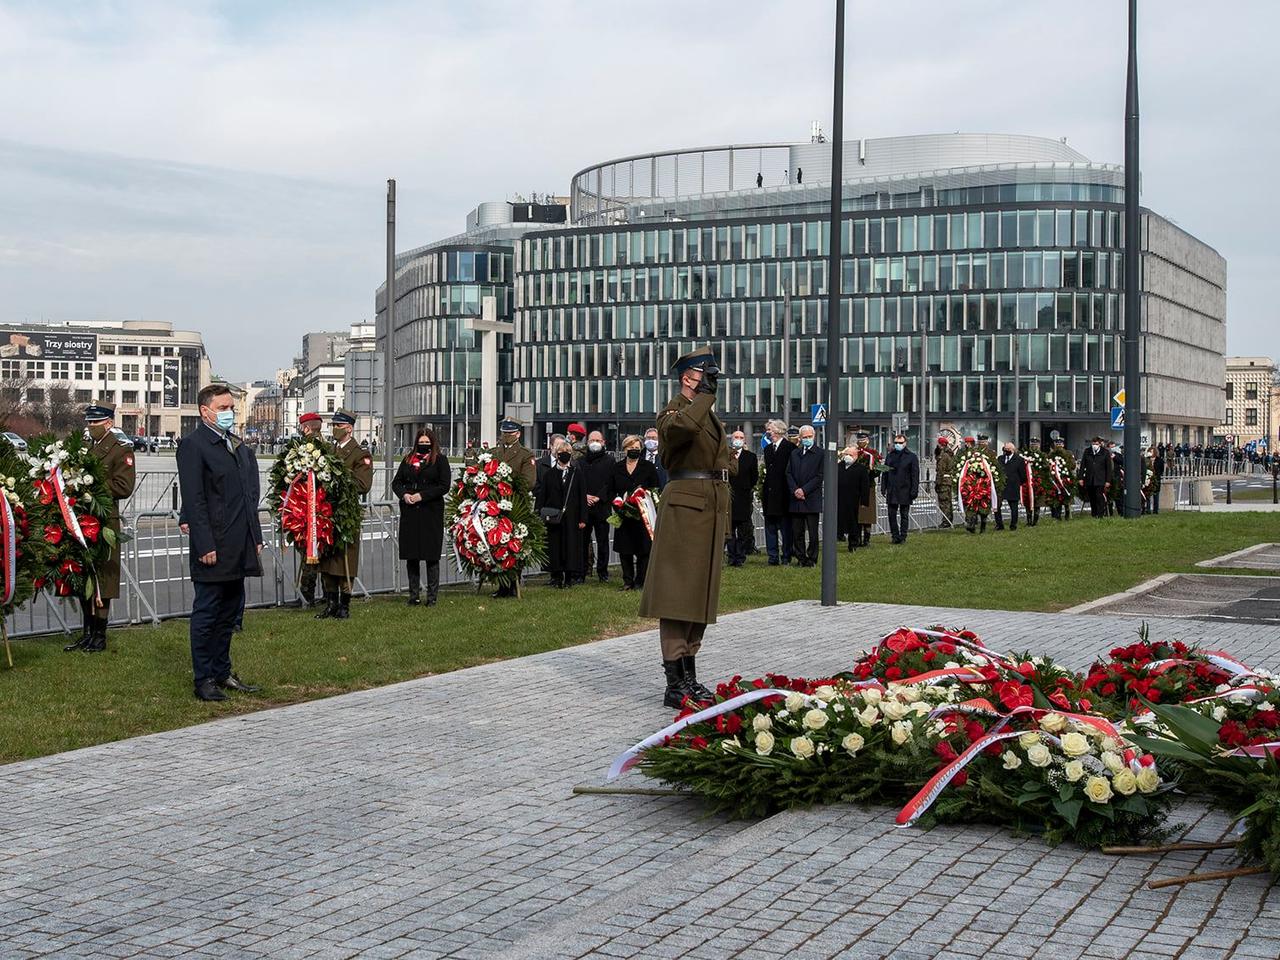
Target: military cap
<point>577,429</point>
<point>509,425</point>
<point>793,431</point>
<point>1057,441</point>
<point>99,410</point>
<point>983,438</point>
<point>863,435</point>
<point>943,441</point>
<point>1054,435</point>
<point>310,418</point>
<point>344,416</point>
<point>1035,441</point>
<point>702,357</point>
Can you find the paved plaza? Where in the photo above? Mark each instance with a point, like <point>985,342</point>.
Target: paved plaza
<point>435,819</point>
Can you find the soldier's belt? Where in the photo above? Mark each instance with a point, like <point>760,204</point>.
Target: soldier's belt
<point>721,475</point>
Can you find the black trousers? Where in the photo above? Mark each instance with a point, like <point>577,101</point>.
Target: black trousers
<point>899,521</point>
<point>1013,513</point>
<point>740,541</point>
<point>1097,501</point>
<point>213,617</point>
<point>600,530</point>
<point>804,537</point>
<point>634,567</point>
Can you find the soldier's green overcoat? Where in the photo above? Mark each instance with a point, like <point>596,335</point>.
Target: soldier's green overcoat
<point>683,582</point>
<point>121,474</point>
<point>357,459</point>
<point>521,461</point>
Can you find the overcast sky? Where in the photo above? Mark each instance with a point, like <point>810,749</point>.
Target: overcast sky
<point>222,164</point>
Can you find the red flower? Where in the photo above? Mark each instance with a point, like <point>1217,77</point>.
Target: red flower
<point>53,533</point>
<point>40,583</point>
<point>90,527</point>
<point>504,489</point>
<point>482,492</point>
<point>70,566</point>
<point>62,587</point>
<point>698,743</point>
<point>45,489</point>
<point>945,751</point>
<point>960,779</point>
<point>514,545</point>
<point>491,467</point>
<point>974,730</point>
<point>491,508</point>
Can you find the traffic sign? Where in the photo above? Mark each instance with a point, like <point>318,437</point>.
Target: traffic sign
<point>1118,399</point>
<point>1117,418</point>
<point>818,414</point>
<point>900,423</point>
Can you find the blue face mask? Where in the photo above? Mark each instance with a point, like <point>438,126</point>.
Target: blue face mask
<point>899,446</point>
<point>226,419</point>
<point>806,442</point>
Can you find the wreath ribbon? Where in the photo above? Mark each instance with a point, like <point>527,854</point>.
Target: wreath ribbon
<point>68,515</point>
<point>9,533</point>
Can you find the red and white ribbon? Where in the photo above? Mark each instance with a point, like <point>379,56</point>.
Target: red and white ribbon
<point>991,481</point>
<point>313,536</point>
<point>8,530</point>
<point>922,801</point>
<point>68,515</point>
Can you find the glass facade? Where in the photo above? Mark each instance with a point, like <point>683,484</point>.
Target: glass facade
<point>955,288</point>
<point>437,355</point>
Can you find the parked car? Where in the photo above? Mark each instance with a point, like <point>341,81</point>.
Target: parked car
<point>166,443</point>
<point>15,441</point>
<point>123,437</point>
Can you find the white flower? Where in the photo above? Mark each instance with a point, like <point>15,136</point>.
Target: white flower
<point>908,693</point>
<point>1053,723</point>
<point>1028,739</point>
<point>522,531</point>
<point>1075,744</point>
<point>921,709</point>
<point>761,722</point>
<point>826,693</point>
<point>1266,705</point>
<point>1011,760</point>
<point>1038,755</point>
<point>872,695</point>
<point>852,743</point>
<point>730,744</point>
<point>504,505</point>
<point>1073,770</point>
<point>815,720</point>
<point>87,479</point>
<point>893,709</point>
<point>1219,713</point>
<point>764,743</point>
<point>901,732</point>
<point>794,702</point>
<point>1112,761</point>
<point>868,717</point>
<point>1148,780</point>
<point>950,665</point>
<point>1097,789</point>
<point>802,747</point>
<point>1125,782</point>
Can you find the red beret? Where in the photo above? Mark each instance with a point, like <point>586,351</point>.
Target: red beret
<point>310,418</point>
<point>577,428</point>
<point>943,441</point>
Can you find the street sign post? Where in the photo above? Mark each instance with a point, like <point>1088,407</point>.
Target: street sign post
<point>818,414</point>
<point>1117,418</point>
<point>900,423</point>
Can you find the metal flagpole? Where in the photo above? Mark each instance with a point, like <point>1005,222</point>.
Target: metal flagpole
<point>829,499</point>
<point>388,358</point>
<point>1132,284</point>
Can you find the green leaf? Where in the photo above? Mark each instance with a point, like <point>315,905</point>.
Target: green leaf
<point>1069,810</point>
<point>1195,730</point>
<point>1168,749</point>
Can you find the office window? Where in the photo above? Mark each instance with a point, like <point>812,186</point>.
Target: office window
<point>1231,417</point>
<point>128,350</point>
<point>1251,391</point>
<point>129,371</point>
<point>59,369</point>
<point>10,369</point>
<point>1231,391</point>
<point>1251,417</point>
<point>129,396</point>
<point>330,405</point>
<point>35,368</point>
<point>84,370</point>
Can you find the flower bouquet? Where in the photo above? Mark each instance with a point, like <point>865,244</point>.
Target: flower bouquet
<point>315,498</point>
<point>1037,492</point>
<point>906,654</point>
<point>72,509</point>
<point>494,528</point>
<point>640,504</point>
<point>1161,672</point>
<point>1061,488</point>
<point>19,556</point>
<point>977,478</point>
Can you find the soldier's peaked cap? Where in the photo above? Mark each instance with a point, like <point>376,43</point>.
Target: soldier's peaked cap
<point>510,425</point>
<point>345,416</point>
<point>702,357</point>
<point>99,410</point>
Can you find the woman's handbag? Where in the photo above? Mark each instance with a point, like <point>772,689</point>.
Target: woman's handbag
<point>552,516</point>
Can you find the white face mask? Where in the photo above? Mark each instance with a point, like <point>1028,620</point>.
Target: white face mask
<point>651,444</point>
<point>595,447</point>
<point>1096,448</point>
<point>736,443</point>
<point>848,461</point>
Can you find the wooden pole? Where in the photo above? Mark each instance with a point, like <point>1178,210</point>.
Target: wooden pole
<point>4,630</point>
<point>1212,875</point>
<point>631,791</point>
<point>1170,847</point>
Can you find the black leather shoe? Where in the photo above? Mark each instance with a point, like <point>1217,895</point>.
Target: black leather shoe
<point>688,666</point>
<point>677,691</point>
<point>208,690</point>
<point>344,607</point>
<point>330,607</point>
<point>79,643</point>
<point>232,682</point>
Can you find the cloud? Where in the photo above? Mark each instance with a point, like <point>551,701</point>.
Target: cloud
<point>270,122</point>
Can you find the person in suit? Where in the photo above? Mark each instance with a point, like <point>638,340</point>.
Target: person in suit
<point>1096,474</point>
<point>853,487</point>
<point>742,492</point>
<point>562,503</point>
<point>776,496</point>
<point>901,485</point>
<point>339,570</point>
<point>118,470</point>
<point>682,590</point>
<point>219,483</point>
<point>1014,469</point>
<point>631,539</point>
<point>421,483</point>
<point>653,455</point>
<point>804,480</point>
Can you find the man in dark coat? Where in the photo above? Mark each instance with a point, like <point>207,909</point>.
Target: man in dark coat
<point>900,484</point>
<point>116,457</point>
<point>776,496</point>
<point>339,570</point>
<point>1015,476</point>
<point>804,480</point>
<point>1096,474</point>
<point>597,476</point>
<point>742,494</point>
<point>218,478</point>
<point>653,455</point>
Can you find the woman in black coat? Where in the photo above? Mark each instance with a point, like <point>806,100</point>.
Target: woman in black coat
<point>421,484</point>
<point>561,487</point>
<point>849,491</point>
<point>630,539</point>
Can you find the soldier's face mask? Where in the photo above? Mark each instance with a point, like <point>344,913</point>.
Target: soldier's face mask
<point>98,430</point>
<point>341,432</point>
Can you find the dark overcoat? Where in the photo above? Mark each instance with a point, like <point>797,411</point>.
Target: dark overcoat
<point>357,459</point>
<point>683,582</point>
<point>776,493</point>
<point>853,489</point>
<point>565,542</point>
<point>630,537</point>
<point>742,487</point>
<point>1015,475</point>
<point>220,493</point>
<point>597,475</point>
<point>120,474</point>
<point>805,473</point>
<point>900,483</point>
<point>1095,468</point>
<point>422,523</point>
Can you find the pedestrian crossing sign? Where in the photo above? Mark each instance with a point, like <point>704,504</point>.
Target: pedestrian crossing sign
<point>818,414</point>
<point>1117,418</point>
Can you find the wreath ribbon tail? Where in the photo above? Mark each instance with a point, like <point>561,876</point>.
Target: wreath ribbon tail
<point>9,534</point>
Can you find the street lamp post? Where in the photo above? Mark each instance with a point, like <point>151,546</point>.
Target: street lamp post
<point>1132,284</point>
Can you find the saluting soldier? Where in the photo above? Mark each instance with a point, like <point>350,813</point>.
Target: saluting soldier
<point>523,464</point>
<point>340,569</point>
<point>682,588</point>
<point>945,485</point>
<point>309,425</point>
<point>120,473</point>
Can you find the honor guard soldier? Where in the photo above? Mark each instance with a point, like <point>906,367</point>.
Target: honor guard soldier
<point>120,473</point>
<point>309,425</point>
<point>682,588</point>
<point>339,570</point>
<point>523,464</point>
<point>945,485</point>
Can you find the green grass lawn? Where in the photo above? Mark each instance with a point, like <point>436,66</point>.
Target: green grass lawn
<point>1247,495</point>
<point>53,701</point>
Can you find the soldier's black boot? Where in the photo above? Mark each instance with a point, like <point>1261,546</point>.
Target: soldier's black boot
<point>98,641</point>
<point>330,606</point>
<point>433,583</point>
<point>85,634</point>
<point>415,584</point>
<point>344,606</point>
<point>696,690</point>
<point>676,691</point>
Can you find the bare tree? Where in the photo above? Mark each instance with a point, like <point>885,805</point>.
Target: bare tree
<point>14,410</point>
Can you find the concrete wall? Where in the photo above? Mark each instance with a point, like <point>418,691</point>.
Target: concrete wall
<point>1184,326</point>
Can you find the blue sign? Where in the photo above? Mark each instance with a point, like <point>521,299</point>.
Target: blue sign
<point>1117,418</point>
<point>818,414</point>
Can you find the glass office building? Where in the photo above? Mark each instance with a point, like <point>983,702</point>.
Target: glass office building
<point>980,275</point>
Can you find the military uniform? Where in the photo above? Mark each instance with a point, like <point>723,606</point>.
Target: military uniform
<point>682,587</point>
<point>945,486</point>
<point>120,474</point>
<point>522,463</point>
<point>340,569</point>
<point>1067,474</point>
<point>308,573</point>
